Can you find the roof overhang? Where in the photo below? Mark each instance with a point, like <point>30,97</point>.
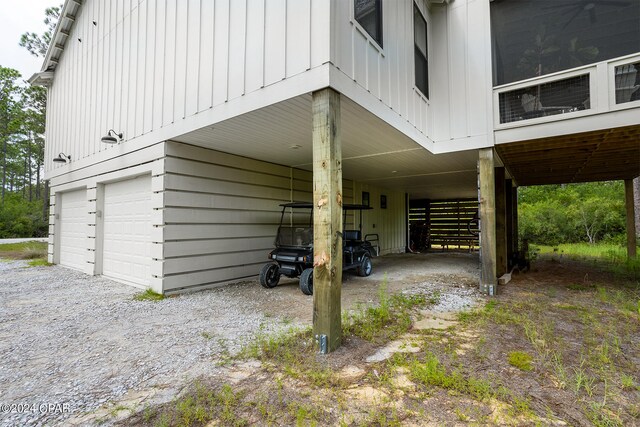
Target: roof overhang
<point>68,14</point>
<point>43,78</point>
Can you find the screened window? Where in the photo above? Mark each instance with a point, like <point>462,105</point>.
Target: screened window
<point>420,51</point>
<point>535,37</point>
<point>368,13</point>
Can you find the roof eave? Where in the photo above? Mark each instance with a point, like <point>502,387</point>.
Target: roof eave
<point>60,35</point>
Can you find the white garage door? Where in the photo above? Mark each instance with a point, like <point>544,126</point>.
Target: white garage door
<point>73,228</point>
<point>126,251</point>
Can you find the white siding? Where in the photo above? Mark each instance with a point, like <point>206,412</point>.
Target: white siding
<point>459,107</point>
<point>390,224</point>
<point>146,65</point>
<point>145,161</point>
<point>387,73</point>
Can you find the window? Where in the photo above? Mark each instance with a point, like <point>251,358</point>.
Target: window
<point>420,51</point>
<point>368,13</point>
<point>365,198</point>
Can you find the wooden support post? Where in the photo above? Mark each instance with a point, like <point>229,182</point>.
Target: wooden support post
<point>631,218</point>
<point>514,201</point>
<point>327,219</point>
<point>501,222</point>
<point>488,276</point>
<point>509,224</point>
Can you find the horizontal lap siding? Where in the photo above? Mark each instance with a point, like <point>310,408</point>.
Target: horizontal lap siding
<point>221,213</point>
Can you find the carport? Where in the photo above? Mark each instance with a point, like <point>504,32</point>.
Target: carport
<point>350,155</point>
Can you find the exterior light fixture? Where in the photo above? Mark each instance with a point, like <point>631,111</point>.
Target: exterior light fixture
<point>112,137</point>
<point>62,158</point>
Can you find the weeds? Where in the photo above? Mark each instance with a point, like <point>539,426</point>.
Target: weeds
<point>432,372</point>
<point>390,318</point>
<point>40,262</point>
<point>148,295</point>
<point>520,360</point>
<point>627,382</point>
<point>582,381</point>
<point>25,250</point>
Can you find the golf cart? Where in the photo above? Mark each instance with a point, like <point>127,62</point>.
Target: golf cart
<point>293,255</point>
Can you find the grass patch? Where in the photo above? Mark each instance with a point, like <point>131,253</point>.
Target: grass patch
<point>40,262</point>
<point>198,406</point>
<point>294,352</point>
<point>613,257</point>
<point>432,372</point>
<point>148,295</point>
<point>24,250</point>
<point>520,360</point>
<point>390,318</point>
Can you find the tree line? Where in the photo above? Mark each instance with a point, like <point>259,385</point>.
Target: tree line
<point>591,212</point>
<point>24,193</point>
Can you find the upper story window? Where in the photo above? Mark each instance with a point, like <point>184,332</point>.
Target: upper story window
<point>533,37</point>
<point>368,13</point>
<point>420,51</point>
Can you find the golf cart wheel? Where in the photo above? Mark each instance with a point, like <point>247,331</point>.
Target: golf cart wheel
<point>365,267</point>
<point>270,276</point>
<point>306,281</point>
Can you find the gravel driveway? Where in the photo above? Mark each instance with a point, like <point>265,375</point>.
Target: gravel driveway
<point>79,342</point>
<point>68,338</point>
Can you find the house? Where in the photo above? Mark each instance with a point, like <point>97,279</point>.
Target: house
<point>179,126</point>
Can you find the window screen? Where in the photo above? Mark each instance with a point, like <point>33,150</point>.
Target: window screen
<point>368,13</point>
<point>537,37</point>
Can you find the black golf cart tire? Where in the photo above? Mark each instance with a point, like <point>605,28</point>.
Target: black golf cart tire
<point>268,278</point>
<point>365,267</point>
<point>306,281</point>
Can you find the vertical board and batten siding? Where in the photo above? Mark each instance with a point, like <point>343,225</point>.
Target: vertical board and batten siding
<point>387,72</point>
<point>390,224</point>
<point>459,49</point>
<point>221,214</point>
<point>460,67</point>
<point>140,65</point>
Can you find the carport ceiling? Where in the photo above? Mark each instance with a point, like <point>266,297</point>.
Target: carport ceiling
<point>602,155</point>
<point>372,151</point>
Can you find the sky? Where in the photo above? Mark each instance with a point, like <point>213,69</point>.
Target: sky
<point>16,18</point>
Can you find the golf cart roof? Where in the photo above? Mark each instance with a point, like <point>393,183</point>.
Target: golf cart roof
<point>309,205</point>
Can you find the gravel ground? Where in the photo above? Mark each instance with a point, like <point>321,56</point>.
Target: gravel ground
<point>80,341</point>
<point>68,338</point>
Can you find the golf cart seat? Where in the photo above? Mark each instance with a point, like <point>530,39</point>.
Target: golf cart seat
<point>352,235</point>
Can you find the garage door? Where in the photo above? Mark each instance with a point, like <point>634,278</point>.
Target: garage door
<point>126,251</point>
<point>73,228</point>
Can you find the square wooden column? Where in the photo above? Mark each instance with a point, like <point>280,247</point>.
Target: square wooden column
<point>514,209</point>
<point>631,218</point>
<point>327,219</point>
<point>501,222</point>
<point>509,224</point>
<point>488,278</point>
